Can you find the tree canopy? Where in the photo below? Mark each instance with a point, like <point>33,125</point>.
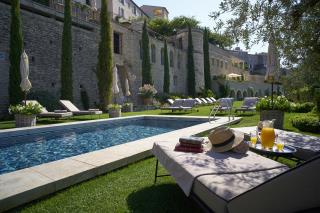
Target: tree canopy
<point>295,26</point>
<point>168,28</point>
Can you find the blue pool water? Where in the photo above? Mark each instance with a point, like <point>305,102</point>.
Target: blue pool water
<point>20,152</point>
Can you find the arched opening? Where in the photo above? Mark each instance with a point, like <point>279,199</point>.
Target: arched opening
<point>232,94</point>
<point>239,96</point>
<point>245,94</point>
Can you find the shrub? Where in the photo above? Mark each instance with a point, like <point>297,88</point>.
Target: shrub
<point>29,109</point>
<point>146,65</point>
<point>114,107</point>
<point>301,108</point>
<point>306,123</point>
<point>162,97</point>
<point>191,78</point>
<point>279,103</point>
<point>204,93</point>
<point>166,76</point>
<point>84,99</point>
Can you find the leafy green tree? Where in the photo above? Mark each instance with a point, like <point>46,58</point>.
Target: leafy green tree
<point>206,60</point>
<point>166,77</point>
<point>146,65</point>
<point>191,78</point>
<point>66,55</point>
<point>161,26</point>
<point>183,22</point>
<point>105,60</point>
<point>221,40</point>
<point>294,24</point>
<point>16,46</point>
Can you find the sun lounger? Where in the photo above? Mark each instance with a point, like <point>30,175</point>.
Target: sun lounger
<point>72,108</point>
<point>231,182</point>
<point>56,114</point>
<point>204,101</point>
<point>248,105</point>
<point>181,105</point>
<point>209,100</point>
<point>198,101</point>
<point>170,101</point>
<point>213,99</point>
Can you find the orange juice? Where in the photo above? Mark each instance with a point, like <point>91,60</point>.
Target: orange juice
<point>267,137</point>
<point>280,146</point>
<point>253,141</point>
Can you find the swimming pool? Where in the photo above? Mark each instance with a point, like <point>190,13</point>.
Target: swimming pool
<point>45,145</point>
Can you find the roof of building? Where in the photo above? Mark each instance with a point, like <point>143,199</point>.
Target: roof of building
<point>152,6</point>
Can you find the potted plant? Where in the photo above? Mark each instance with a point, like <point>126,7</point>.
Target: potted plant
<point>25,115</point>
<point>114,110</point>
<point>273,109</point>
<point>147,92</point>
<point>127,107</point>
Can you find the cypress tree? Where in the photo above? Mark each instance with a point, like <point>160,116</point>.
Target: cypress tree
<point>146,65</point>
<point>166,77</point>
<point>16,46</point>
<point>191,81</point>
<point>104,67</point>
<point>66,55</point>
<point>206,61</point>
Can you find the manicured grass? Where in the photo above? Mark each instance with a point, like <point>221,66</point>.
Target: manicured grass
<point>129,189</point>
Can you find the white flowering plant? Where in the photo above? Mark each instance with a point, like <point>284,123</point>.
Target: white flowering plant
<point>147,91</point>
<point>28,109</point>
<point>279,103</point>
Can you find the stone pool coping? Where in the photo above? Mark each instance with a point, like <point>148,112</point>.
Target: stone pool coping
<point>22,186</point>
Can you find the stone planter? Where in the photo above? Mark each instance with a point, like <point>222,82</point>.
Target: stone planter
<point>114,113</point>
<point>147,101</point>
<point>25,120</point>
<point>127,108</point>
<point>273,114</point>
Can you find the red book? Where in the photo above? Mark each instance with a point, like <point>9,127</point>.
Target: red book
<point>181,148</point>
<point>191,145</point>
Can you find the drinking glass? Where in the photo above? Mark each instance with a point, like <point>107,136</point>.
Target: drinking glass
<point>253,138</point>
<point>279,143</point>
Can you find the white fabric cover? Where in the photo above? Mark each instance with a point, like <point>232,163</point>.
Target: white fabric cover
<point>186,167</point>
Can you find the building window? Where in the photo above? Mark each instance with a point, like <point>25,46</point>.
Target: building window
<point>60,1</point>
<point>117,43</point>
<point>121,12</point>
<point>171,59</point>
<point>175,80</point>
<point>140,48</point>
<point>180,45</point>
<point>218,62</point>
<point>221,64</point>
<point>129,5</point>
<point>226,65</point>
<point>162,56</point>
<point>212,61</point>
<point>179,60</point>
<point>122,2</point>
<point>153,53</point>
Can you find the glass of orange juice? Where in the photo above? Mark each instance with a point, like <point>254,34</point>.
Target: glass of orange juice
<point>253,138</point>
<point>267,137</point>
<point>279,143</point>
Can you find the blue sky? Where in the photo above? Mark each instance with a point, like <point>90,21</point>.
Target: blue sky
<point>197,8</point>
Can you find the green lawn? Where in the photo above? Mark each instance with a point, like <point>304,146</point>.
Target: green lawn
<point>131,188</point>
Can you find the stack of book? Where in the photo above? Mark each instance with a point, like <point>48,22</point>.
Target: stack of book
<point>190,144</point>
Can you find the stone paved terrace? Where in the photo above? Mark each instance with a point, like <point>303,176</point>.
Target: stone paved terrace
<point>28,184</point>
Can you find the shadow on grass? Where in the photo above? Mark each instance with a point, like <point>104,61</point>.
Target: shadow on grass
<point>161,198</point>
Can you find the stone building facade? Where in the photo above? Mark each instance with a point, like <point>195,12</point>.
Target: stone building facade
<point>42,34</point>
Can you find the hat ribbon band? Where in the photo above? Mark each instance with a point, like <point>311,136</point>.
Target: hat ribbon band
<point>224,143</point>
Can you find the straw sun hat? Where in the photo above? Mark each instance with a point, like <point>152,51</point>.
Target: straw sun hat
<point>224,139</point>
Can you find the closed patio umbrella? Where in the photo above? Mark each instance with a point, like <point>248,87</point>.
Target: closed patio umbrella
<point>115,88</point>
<point>273,65</point>
<point>128,93</point>
<point>25,84</point>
